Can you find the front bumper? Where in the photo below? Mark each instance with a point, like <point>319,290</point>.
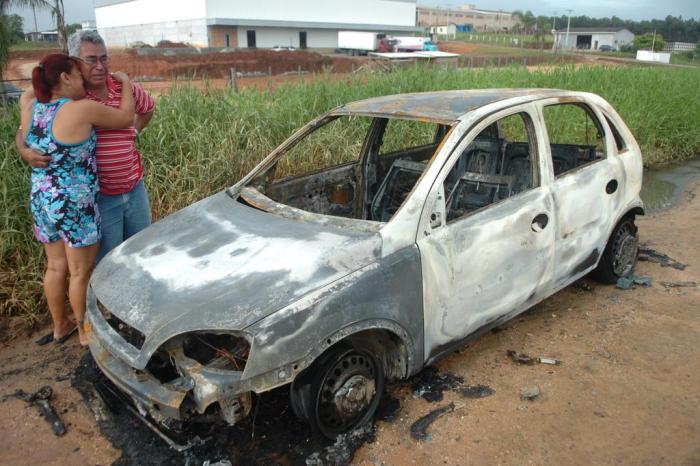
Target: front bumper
<point>147,392</point>
<point>193,392</point>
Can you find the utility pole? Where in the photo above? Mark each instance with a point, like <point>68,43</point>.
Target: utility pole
<point>36,28</point>
<point>653,41</point>
<point>568,23</point>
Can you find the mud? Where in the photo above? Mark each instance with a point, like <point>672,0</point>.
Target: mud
<point>663,187</point>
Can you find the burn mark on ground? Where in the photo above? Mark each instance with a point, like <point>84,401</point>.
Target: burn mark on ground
<point>430,384</point>
<point>271,435</point>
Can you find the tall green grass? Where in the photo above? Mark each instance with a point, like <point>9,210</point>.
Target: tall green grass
<point>200,142</point>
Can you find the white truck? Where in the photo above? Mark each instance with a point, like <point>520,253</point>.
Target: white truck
<point>361,43</point>
<point>408,43</point>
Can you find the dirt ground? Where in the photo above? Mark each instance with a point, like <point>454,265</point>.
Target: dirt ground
<point>626,391</point>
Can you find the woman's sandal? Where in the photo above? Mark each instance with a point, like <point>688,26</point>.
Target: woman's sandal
<point>64,338</point>
<point>45,340</point>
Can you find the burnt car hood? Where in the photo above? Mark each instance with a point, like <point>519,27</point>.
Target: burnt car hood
<point>220,264</point>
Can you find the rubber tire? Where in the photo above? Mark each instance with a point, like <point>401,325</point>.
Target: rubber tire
<point>605,272</point>
<point>306,389</point>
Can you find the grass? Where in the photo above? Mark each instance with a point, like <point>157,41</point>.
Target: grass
<point>199,143</point>
<point>26,45</point>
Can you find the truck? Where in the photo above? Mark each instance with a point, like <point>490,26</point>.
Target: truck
<point>360,43</point>
<point>408,43</point>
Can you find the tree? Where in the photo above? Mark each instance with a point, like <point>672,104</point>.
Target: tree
<point>71,28</point>
<point>6,35</point>
<point>646,41</point>
<point>15,29</point>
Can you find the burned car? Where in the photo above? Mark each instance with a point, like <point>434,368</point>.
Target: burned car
<point>376,239</point>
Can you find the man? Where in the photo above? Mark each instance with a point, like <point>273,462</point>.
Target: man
<point>122,199</point>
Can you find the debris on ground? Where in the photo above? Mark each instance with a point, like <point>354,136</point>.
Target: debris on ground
<point>343,450</point>
<point>41,400</point>
<point>280,438</point>
<point>650,255</point>
<point>218,463</point>
<point>430,385</point>
<point>679,284</point>
<point>530,393</point>
<point>389,407</point>
<point>550,361</point>
<point>521,358</point>
<point>628,283</point>
<point>583,286</point>
<point>419,428</point>
<point>476,391</point>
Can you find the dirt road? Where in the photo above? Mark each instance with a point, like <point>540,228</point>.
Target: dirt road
<point>626,391</point>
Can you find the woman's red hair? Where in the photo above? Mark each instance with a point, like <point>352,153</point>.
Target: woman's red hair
<point>47,75</point>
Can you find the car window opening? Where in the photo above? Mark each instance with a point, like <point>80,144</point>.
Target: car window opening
<point>576,136</point>
<point>496,165</point>
<point>355,167</point>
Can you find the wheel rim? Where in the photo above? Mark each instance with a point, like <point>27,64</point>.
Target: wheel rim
<point>625,248</point>
<point>347,394</point>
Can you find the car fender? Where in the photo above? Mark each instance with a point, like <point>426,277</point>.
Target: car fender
<point>385,295</point>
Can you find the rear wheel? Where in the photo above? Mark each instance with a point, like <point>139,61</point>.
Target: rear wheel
<point>340,391</point>
<point>620,255</point>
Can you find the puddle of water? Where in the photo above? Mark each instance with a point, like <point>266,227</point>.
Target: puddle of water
<point>663,187</point>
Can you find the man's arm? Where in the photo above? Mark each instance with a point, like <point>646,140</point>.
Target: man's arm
<point>145,106</point>
<point>30,156</point>
<point>142,120</point>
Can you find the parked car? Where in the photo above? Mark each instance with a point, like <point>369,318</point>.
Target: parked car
<point>11,93</point>
<point>606,48</point>
<point>430,46</point>
<point>283,48</point>
<point>376,239</point>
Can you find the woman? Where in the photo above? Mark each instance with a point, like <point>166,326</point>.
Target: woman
<point>63,206</point>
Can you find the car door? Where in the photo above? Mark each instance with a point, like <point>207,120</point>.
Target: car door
<point>485,237</point>
<point>585,186</point>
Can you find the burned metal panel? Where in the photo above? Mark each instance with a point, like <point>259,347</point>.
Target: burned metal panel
<point>443,106</point>
<point>385,294</point>
<point>585,212</point>
<point>205,266</point>
<point>485,265</point>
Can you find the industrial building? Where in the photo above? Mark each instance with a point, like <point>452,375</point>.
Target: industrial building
<point>466,18</point>
<point>243,24</point>
<point>592,38</point>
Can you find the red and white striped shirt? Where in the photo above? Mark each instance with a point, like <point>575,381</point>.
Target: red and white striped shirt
<point>119,165</point>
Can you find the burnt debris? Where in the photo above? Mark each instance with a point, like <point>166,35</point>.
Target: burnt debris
<point>273,436</point>
<point>651,255</point>
<point>41,399</point>
<point>420,427</point>
<point>429,384</point>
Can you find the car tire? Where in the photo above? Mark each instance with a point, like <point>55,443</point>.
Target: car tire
<point>620,255</point>
<point>340,391</point>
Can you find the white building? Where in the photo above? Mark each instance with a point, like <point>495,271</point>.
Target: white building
<point>592,38</point>
<point>246,24</point>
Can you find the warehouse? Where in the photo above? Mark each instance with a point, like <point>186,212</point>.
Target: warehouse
<point>592,38</point>
<point>238,24</point>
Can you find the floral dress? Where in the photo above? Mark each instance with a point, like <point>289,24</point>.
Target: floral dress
<point>63,194</point>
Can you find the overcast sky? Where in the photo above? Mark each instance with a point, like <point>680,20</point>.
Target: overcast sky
<point>82,10</point>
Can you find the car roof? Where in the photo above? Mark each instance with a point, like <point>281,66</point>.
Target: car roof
<point>442,106</point>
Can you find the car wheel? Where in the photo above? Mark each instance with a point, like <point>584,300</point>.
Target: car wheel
<point>620,255</point>
<point>340,391</point>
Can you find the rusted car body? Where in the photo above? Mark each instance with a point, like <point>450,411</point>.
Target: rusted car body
<point>337,279</point>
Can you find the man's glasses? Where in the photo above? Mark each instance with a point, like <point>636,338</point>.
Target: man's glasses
<point>92,60</point>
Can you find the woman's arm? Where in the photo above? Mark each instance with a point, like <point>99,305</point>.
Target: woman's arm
<point>108,117</point>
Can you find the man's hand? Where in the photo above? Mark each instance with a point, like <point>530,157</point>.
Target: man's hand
<point>35,158</point>
<point>31,157</point>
